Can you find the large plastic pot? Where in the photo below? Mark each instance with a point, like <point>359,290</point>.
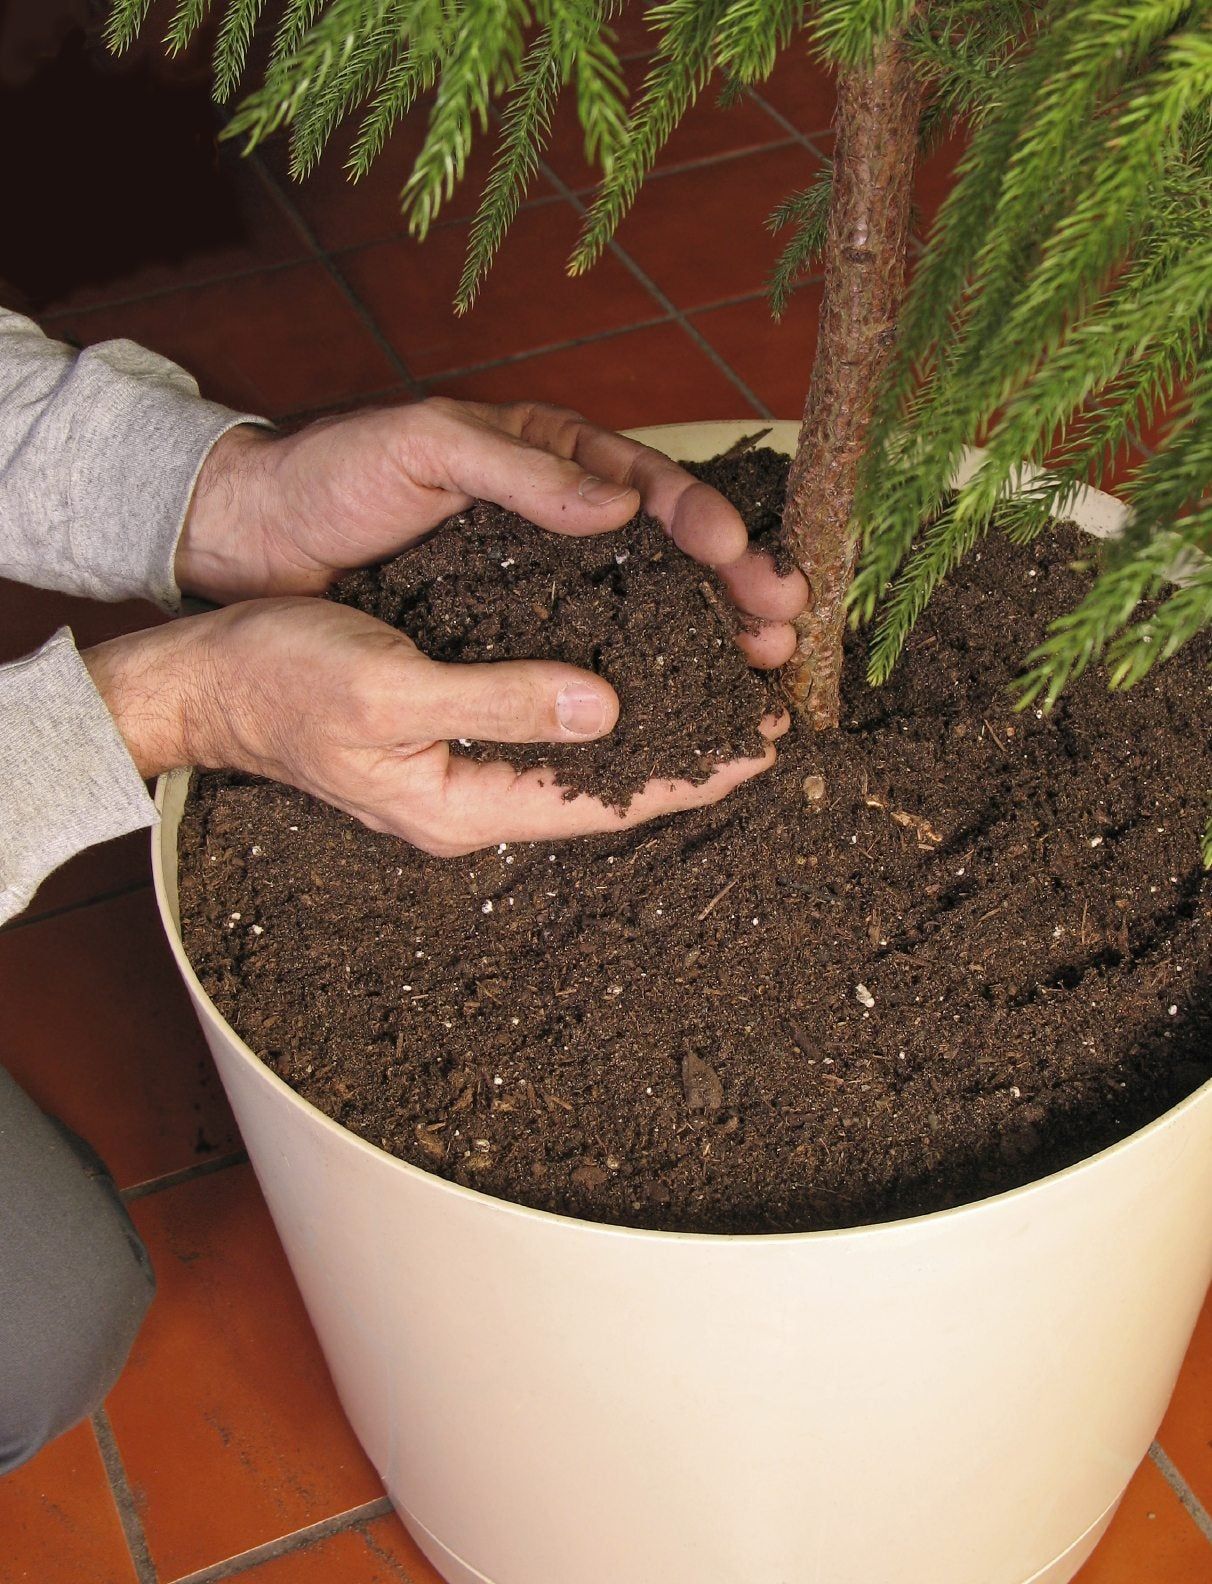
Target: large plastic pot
<point>955,1399</point>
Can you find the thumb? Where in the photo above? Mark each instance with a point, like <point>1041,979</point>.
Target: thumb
<point>510,701</point>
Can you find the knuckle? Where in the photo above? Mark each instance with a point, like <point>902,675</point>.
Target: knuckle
<point>510,712</point>
<point>559,426</point>
<point>443,407</point>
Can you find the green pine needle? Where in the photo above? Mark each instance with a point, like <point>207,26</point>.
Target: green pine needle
<point>525,129</point>
<point>808,212</point>
<point>231,47</point>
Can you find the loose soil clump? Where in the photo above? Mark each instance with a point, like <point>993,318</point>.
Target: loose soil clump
<point>932,955</point>
<point>629,606</point>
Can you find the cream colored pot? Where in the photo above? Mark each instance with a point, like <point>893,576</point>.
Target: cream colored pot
<point>956,1399</point>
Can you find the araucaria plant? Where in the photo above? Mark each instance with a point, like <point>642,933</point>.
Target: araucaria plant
<point>1060,307</point>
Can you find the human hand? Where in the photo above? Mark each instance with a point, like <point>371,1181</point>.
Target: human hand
<point>330,700</point>
<point>286,515</point>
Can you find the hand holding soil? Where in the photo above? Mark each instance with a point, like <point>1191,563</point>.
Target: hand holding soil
<point>330,700</point>
<point>289,515</point>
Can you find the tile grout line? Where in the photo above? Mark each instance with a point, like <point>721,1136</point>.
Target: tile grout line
<point>185,1174</point>
<point>672,311</point>
<point>1189,1500</point>
<point>124,1500</point>
<point>793,132</point>
<point>700,162</point>
<point>385,393</point>
<point>297,1540</point>
<point>27,920</point>
<point>546,349</point>
<point>315,252</point>
<point>222,278</point>
<point>321,257</point>
<point>604,335</point>
<point>318,254</point>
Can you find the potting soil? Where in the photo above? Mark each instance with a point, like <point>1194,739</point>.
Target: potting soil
<point>933,954</point>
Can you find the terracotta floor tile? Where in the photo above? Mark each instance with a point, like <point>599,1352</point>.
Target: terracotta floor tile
<point>1186,1432</point>
<point>28,617</point>
<point>701,233</point>
<point>381,1552</point>
<point>633,35</point>
<point>705,131</point>
<point>1122,469</point>
<point>649,376</point>
<point>392,396</point>
<point>528,300</point>
<point>935,177</point>
<point>236,226</point>
<point>97,872</point>
<point>343,214</point>
<point>97,1028</point>
<point>124,189</point>
<point>773,357</point>
<point>58,1520</point>
<point>269,343</point>
<point>802,89</point>
<point>1152,1539</point>
<point>226,1418</point>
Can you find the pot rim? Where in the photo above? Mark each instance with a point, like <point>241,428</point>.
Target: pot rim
<point>1110,513</point>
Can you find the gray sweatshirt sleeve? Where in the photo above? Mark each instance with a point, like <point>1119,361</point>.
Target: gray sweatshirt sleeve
<point>99,453</point>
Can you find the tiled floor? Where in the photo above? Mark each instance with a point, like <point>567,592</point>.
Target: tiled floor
<point>222,1453</point>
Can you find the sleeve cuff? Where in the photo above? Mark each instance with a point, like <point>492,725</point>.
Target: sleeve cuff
<point>66,779</point>
<point>97,476</point>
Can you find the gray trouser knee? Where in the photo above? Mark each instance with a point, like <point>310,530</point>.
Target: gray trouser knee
<point>75,1280</point>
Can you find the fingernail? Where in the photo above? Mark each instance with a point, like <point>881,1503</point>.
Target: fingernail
<point>580,710</point>
<point>600,492</point>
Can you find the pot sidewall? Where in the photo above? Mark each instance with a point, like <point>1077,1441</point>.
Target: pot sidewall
<point>953,1398</point>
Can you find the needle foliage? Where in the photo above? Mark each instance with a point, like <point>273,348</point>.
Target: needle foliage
<point>1060,308</point>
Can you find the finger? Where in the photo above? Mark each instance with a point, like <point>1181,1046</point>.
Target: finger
<point>509,701</point>
<point>490,458</point>
<point>700,521</point>
<point>767,646</point>
<point>774,726</point>
<point>490,803</point>
<point>755,587</point>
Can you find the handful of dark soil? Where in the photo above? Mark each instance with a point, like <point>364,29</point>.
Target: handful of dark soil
<point>628,606</point>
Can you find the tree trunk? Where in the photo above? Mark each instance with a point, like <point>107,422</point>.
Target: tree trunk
<point>877,118</point>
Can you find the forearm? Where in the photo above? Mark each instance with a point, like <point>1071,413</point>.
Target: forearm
<point>100,452</point>
<point>80,733</point>
<point>67,777</point>
<point>162,690</point>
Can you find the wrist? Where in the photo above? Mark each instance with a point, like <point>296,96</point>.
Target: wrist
<point>223,553</point>
<point>163,690</point>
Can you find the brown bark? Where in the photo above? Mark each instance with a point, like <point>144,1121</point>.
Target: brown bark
<point>865,251</point>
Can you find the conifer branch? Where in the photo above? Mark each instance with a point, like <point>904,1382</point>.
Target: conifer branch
<point>483,56</point>
<point>356,75</point>
<point>848,31</point>
<point>122,26</point>
<point>296,22</point>
<point>413,74</point>
<point>1065,297</point>
<point>232,45</point>
<point>525,128</point>
<point>682,66</point>
<point>187,19</point>
<point>750,35</point>
<point>808,212</point>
